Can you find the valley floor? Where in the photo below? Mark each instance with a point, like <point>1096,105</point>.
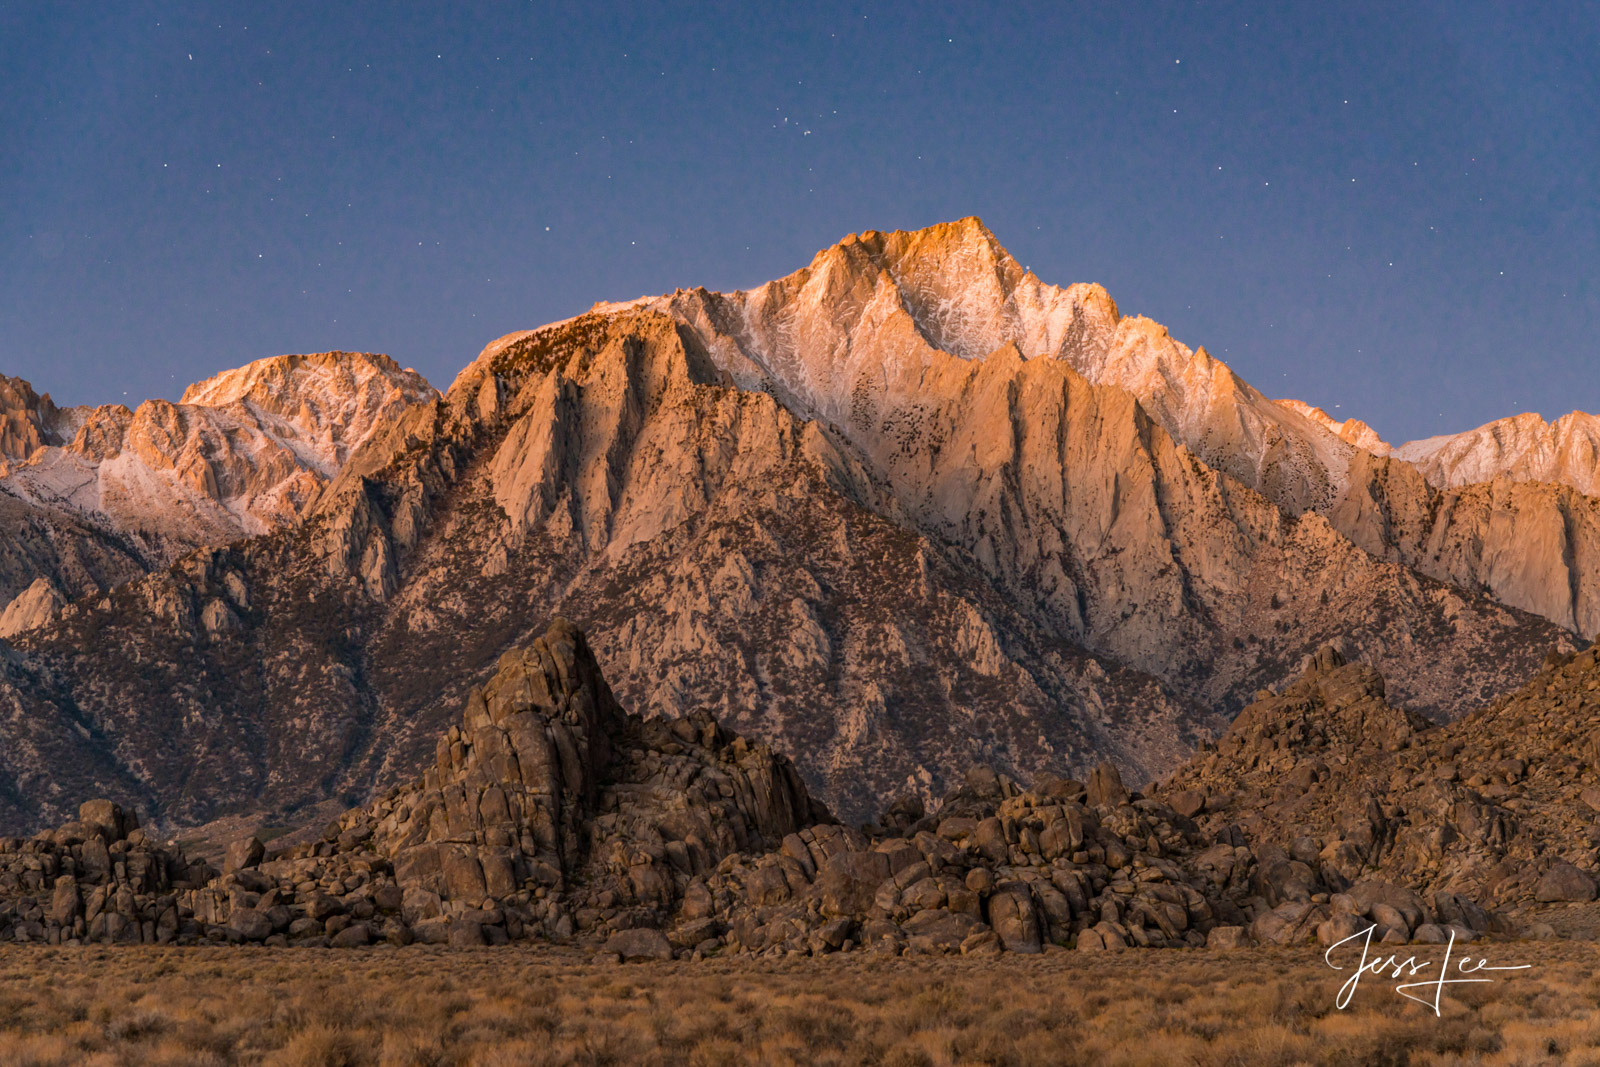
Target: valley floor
<point>434,1006</point>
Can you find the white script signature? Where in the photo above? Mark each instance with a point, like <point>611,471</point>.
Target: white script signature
<point>1410,967</point>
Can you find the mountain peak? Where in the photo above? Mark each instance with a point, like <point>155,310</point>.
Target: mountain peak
<point>1521,447</point>
<point>1354,431</point>
<point>277,380</point>
<point>859,329</point>
<point>242,452</point>
<point>28,421</point>
<point>968,232</point>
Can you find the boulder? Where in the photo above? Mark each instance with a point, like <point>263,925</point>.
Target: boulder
<point>107,817</point>
<point>1226,937</point>
<point>1288,924</point>
<point>1187,802</point>
<point>355,935</point>
<point>939,930</point>
<point>65,901</point>
<point>1012,916</point>
<point>991,841</point>
<point>835,932</point>
<point>1102,937</point>
<point>848,881</point>
<point>1286,880</point>
<point>1340,926</point>
<point>243,854</point>
<point>1105,788</point>
<point>640,943</point>
<point>1564,882</point>
<point>417,904</point>
<point>464,933</point>
<point>249,924</point>
<point>1409,910</point>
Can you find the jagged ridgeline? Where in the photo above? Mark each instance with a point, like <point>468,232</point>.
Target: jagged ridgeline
<point>906,510</point>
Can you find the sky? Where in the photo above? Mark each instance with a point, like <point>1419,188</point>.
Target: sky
<point>1392,211</point>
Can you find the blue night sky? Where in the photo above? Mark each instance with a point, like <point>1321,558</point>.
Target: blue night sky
<point>1391,213</point>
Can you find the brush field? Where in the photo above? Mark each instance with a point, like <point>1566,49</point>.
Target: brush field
<point>517,1006</point>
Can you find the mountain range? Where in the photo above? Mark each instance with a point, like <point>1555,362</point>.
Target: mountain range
<point>907,509</point>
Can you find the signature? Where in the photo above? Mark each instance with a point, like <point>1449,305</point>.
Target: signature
<point>1410,967</point>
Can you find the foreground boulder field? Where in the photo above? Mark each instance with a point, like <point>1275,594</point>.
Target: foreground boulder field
<point>550,814</point>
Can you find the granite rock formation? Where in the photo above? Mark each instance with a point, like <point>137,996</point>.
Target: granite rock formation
<point>552,815</point>
<point>543,790</point>
<point>1498,808</point>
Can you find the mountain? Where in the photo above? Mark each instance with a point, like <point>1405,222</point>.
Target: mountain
<point>599,473</point>
<point>906,510</point>
<point>851,336</point>
<point>1522,448</point>
<point>854,337</point>
<point>104,494</point>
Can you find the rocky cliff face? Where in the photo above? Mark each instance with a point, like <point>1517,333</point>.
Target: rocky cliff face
<point>1533,545</point>
<point>28,422</point>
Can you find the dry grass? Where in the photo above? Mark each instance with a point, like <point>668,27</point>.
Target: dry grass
<point>421,1006</point>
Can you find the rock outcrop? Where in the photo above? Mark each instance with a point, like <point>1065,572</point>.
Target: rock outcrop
<point>551,814</point>
<point>1498,809</point>
<point>97,878</point>
<point>546,780</point>
<point>548,810</point>
<point>34,606</point>
<point>28,422</point>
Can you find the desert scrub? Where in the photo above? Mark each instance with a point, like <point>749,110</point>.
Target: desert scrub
<point>518,1006</point>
